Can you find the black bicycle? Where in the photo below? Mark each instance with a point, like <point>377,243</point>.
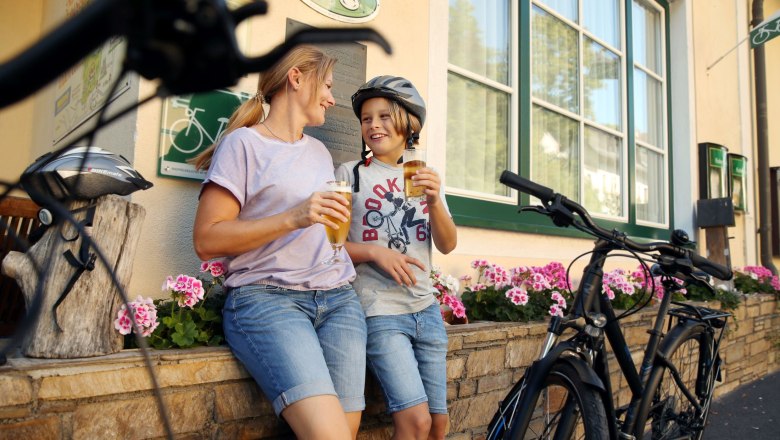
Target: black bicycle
<point>567,392</point>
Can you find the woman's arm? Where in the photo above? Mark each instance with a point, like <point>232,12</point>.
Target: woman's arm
<point>218,232</point>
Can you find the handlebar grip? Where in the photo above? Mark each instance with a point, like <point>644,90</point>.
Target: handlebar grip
<point>522,184</point>
<point>712,268</point>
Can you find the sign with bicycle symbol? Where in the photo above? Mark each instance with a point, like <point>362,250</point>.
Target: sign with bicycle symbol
<point>768,29</point>
<point>190,124</point>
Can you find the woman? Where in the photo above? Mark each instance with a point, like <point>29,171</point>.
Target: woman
<point>262,207</point>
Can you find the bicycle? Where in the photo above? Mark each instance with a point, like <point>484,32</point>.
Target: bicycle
<point>375,219</point>
<point>567,392</point>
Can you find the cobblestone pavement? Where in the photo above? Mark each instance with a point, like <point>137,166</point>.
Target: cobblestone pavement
<point>750,412</point>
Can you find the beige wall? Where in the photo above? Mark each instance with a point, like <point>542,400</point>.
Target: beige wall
<point>20,26</point>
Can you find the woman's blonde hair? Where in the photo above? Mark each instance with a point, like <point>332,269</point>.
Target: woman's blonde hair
<point>308,59</point>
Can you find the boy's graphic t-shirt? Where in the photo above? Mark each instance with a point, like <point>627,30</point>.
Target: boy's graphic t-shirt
<point>382,216</point>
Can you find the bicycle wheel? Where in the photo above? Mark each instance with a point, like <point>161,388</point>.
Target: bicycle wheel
<point>671,414</point>
<point>374,218</point>
<point>565,408</point>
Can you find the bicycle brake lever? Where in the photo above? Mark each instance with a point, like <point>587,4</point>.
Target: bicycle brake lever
<point>536,208</point>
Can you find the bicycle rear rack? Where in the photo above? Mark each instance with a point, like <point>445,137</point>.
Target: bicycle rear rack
<point>715,318</point>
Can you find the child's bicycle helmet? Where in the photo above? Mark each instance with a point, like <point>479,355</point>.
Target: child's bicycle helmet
<point>395,88</point>
<point>79,173</point>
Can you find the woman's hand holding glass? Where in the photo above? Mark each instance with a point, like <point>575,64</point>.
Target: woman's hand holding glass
<point>337,227</point>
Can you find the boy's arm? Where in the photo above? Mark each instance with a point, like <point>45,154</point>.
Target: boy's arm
<point>394,264</point>
<point>443,230</point>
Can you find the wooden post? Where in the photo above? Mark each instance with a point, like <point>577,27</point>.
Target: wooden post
<point>86,316</point>
<point>718,245</point>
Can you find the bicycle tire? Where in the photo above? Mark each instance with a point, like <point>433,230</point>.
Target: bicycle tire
<point>194,139</point>
<point>670,414</point>
<point>562,394</point>
<point>374,218</point>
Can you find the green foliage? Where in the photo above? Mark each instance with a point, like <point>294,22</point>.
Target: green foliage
<point>493,305</point>
<point>747,282</point>
<point>191,317</point>
<point>728,299</point>
<point>182,327</point>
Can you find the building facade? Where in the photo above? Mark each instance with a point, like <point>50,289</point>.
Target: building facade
<point>605,101</point>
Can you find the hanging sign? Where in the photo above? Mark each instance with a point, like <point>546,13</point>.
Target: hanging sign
<point>349,11</point>
<point>768,29</point>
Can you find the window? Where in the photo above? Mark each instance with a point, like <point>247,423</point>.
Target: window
<point>590,118</point>
<point>479,96</point>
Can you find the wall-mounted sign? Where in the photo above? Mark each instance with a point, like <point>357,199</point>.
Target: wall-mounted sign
<point>737,173</point>
<point>349,11</point>
<point>713,171</point>
<point>341,131</point>
<point>83,90</point>
<point>190,124</point>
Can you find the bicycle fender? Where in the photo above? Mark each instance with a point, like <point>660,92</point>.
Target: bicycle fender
<point>677,331</point>
<point>586,373</point>
<point>565,352</point>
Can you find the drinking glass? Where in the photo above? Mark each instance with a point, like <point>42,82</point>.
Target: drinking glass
<point>414,159</point>
<point>337,237</point>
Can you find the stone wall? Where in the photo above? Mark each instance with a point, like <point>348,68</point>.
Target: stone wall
<point>210,396</point>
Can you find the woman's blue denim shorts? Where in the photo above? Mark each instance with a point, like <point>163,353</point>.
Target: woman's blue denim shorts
<point>299,344</point>
<point>408,355</point>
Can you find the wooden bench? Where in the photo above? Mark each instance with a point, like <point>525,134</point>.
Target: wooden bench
<point>19,215</point>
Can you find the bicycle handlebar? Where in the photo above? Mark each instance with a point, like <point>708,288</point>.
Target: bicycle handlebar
<point>189,45</point>
<point>550,197</point>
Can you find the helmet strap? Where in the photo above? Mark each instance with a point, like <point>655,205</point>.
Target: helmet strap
<point>411,136</point>
<point>364,160</point>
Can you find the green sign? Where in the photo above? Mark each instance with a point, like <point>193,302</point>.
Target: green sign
<point>717,157</point>
<point>190,124</point>
<point>768,29</point>
<point>738,167</point>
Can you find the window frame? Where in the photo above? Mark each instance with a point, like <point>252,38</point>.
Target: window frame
<point>483,211</point>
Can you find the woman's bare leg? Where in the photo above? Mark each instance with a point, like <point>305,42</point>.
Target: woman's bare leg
<point>353,420</point>
<point>318,417</point>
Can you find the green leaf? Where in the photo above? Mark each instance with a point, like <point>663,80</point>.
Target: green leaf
<point>185,334</point>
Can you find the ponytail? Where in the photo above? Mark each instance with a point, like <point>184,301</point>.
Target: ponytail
<point>247,114</point>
